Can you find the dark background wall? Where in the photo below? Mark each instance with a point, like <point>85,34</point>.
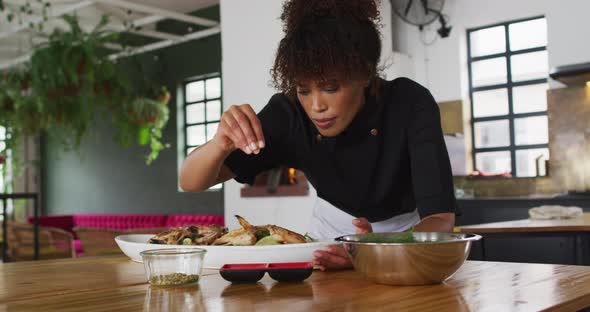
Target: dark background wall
<point>103,177</point>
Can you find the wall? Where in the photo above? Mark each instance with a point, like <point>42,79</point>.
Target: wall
<point>250,34</point>
<point>442,66</point>
<point>251,31</point>
<point>106,178</point>
<point>569,141</point>
<point>569,166</point>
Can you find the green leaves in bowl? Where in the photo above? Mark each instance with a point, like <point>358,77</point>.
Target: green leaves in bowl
<point>405,237</point>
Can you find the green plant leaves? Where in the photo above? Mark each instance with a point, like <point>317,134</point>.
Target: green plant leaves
<point>69,82</point>
<point>143,136</point>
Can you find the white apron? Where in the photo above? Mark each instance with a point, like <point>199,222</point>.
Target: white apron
<point>329,222</point>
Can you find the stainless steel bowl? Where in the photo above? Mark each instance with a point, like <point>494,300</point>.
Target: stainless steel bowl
<point>431,258</point>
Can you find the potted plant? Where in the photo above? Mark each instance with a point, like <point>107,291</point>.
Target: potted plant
<point>142,121</point>
<point>20,113</point>
<point>163,96</point>
<point>69,81</point>
<point>68,72</point>
<point>142,118</point>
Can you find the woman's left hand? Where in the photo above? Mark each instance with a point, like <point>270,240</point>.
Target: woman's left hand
<point>335,257</point>
<point>332,258</point>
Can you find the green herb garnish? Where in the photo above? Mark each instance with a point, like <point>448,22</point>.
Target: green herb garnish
<point>173,279</point>
<point>261,233</point>
<point>405,237</point>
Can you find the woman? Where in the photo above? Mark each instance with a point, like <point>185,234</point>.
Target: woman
<point>373,149</point>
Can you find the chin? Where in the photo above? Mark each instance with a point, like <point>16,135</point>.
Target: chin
<point>331,132</point>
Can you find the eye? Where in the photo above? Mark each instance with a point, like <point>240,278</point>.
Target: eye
<point>331,88</point>
<point>302,92</point>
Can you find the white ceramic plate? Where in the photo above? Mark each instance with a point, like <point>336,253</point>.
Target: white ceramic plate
<point>217,256</point>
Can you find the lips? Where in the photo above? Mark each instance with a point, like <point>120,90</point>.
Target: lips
<point>325,123</point>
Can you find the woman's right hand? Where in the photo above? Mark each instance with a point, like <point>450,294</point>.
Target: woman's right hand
<point>362,226</point>
<point>240,128</point>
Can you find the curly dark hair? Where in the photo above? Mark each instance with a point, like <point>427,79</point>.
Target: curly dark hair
<point>324,38</point>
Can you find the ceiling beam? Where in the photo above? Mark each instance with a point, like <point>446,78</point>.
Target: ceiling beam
<point>160,12</point>
<point>155,34</point>
<point>113,46</point>
<point>120,14</point>
<point>166,43</point>
<point>13,49</point>
<point>123,17</point>
<point>148,20</point>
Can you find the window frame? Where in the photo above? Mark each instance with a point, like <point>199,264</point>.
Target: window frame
<point>6,185</point>
<point>186,103</point>
<point>509,85</point>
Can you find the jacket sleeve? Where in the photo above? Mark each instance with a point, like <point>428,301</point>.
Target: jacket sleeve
<point>432,178</point>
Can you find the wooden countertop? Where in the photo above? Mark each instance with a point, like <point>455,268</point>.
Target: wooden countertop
<point>528,225</point>
<point>115,283</point>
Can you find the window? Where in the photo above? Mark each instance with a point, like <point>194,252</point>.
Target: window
<point>202,112</point>
<point>2,154</point>
<point>508,70</point>
<point>6,170</point>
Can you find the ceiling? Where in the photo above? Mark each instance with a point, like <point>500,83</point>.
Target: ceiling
<point>182,6</point>
<point>16,38</point>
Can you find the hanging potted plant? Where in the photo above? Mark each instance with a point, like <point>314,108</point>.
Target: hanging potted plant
<point>67,71</point>
<point>69,80</point>
<point>142,121</point>
<point>20,113</point>
<point>162,95</point>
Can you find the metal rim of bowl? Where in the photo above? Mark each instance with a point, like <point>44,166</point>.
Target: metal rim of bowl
<point>173,252</point>
<point>469,237</point>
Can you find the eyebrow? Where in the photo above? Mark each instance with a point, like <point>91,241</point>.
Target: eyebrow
<point>328,82</point>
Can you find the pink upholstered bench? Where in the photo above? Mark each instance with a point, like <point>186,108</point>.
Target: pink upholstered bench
<point>64,222</point>
<point>183,220</point>
<point>123,222</point>
<point>119,222</point>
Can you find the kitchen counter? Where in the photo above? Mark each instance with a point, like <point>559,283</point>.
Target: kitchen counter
<point>565,241</point>
<point>527,225</point>
<point>557,196</point>
<point>495,209</point>
<point>115,283</point>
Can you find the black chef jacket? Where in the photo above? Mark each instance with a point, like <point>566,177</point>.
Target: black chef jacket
<point>391,159</point>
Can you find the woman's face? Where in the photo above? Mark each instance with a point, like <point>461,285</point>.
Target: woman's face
<point>332,104</point>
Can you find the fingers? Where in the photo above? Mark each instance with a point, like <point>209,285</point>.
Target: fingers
<point>256,126</point>
<point>321,267</point>
<point>241,125</point>
<point>244,131</point>
<point>227,137</point>
<point>333,258</point>
<point>234,132</point>
<point>331,261</point>
<point>362,226</point>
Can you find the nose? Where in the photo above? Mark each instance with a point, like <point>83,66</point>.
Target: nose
<point>318,105</point>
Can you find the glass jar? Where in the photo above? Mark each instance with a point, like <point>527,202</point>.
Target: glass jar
<point>173,267</point>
